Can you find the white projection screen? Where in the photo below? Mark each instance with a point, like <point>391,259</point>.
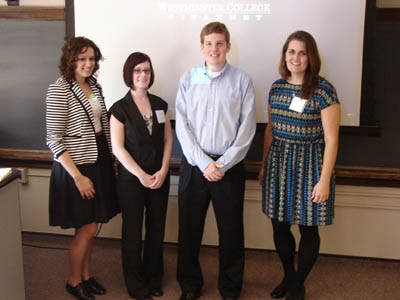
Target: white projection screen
<point>169,32</point>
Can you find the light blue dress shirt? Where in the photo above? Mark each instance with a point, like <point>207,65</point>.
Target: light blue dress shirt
<point>215,116</point>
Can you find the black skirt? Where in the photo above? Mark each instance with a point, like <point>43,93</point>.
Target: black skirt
<point>66,206</point>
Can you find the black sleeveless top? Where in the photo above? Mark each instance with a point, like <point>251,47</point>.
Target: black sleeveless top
<point>147,150</point>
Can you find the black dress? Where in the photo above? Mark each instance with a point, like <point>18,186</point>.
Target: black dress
<point>66,206</point>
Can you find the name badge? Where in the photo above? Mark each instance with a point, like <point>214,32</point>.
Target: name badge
<point>197,76</point>
<point>160,116</point>
<point>298,104</point>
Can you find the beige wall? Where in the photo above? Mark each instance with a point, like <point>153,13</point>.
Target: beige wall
<point>50,3</point>
<point>42,3</point>
<point>366,223</point>
<point>11,271</point>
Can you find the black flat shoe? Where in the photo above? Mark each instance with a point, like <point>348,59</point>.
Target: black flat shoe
<point>190,295</point>
<point>79,292</point>
<point>93,286</point>
<point>280,291</point>
<point>156,292</point>
<point>145,297</point>
<point>298,294</point>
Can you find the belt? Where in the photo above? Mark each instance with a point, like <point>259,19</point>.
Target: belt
<point>99,133</point>
<point>213,156</point>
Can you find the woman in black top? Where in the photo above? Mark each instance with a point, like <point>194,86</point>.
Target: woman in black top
<point>141,139</point>
<point>82,183</point>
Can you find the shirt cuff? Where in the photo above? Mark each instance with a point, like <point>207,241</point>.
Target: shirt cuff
<point>204,162</point>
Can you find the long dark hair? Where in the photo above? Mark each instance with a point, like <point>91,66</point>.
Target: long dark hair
<point>314,62</point>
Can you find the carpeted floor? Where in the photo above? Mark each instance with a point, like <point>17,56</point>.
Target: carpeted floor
<point>333,278</point>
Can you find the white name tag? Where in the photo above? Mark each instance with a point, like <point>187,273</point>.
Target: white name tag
<point>93,97</point>
<point>160,116</point>
<point>298,104</point>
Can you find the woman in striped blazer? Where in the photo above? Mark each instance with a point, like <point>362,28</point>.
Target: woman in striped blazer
<point>82,183</point>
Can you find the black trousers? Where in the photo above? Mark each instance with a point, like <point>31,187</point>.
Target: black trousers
<point>142,271</point>
<point>227,196</point>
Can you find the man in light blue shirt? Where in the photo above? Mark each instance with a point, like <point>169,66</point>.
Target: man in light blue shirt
<point>215,124</point>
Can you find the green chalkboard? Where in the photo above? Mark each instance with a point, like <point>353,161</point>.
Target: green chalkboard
<point>29,55</point>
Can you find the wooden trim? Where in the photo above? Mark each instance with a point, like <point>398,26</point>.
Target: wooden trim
<point>32,13</point>
<point>42,159</point>
<point>388,15</point>
<point>363,172</point>
<point>346,175</point>
<point>22,155</point>
<point>367,176</point>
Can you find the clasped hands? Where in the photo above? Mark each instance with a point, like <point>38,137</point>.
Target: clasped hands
<point>154,181</point>
<point>211,173</point>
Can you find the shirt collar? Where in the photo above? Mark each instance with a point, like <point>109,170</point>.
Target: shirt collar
<point>224,69</point>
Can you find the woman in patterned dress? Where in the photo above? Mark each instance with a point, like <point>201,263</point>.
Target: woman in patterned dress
<point>300,148</point>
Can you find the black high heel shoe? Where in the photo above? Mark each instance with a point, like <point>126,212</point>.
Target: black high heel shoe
<point>280,291</point>
<point>297,294</point>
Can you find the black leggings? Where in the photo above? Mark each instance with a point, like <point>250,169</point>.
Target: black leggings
<point>286,247</point>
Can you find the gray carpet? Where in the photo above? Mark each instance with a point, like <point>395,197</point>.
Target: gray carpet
<point>333,278</point>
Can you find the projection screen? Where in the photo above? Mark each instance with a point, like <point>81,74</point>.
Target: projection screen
<point>169,32</point>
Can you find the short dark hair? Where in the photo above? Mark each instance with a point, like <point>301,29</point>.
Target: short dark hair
<point>131,62</point>
<point>214,27</point>
<point>70,51</point>
<point>314,62</point>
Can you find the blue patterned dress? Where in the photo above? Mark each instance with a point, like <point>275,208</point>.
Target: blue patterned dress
<point>294,161</point>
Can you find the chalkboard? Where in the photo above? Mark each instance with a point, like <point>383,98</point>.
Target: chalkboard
<point>29,54</point>
<point>382,150</point>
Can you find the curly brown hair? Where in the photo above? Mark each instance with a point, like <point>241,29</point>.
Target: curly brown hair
<point>70,51</point>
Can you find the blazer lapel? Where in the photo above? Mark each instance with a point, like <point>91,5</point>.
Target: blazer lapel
<point>97,91</point>
<point>80,96</point>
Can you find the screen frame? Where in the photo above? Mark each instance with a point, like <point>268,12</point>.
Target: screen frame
<point>369,125</point>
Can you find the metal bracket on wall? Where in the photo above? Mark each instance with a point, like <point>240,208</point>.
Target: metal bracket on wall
<point>23,175</point>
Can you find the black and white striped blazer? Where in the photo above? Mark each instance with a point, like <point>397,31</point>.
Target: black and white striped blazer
<point>70,120</point>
